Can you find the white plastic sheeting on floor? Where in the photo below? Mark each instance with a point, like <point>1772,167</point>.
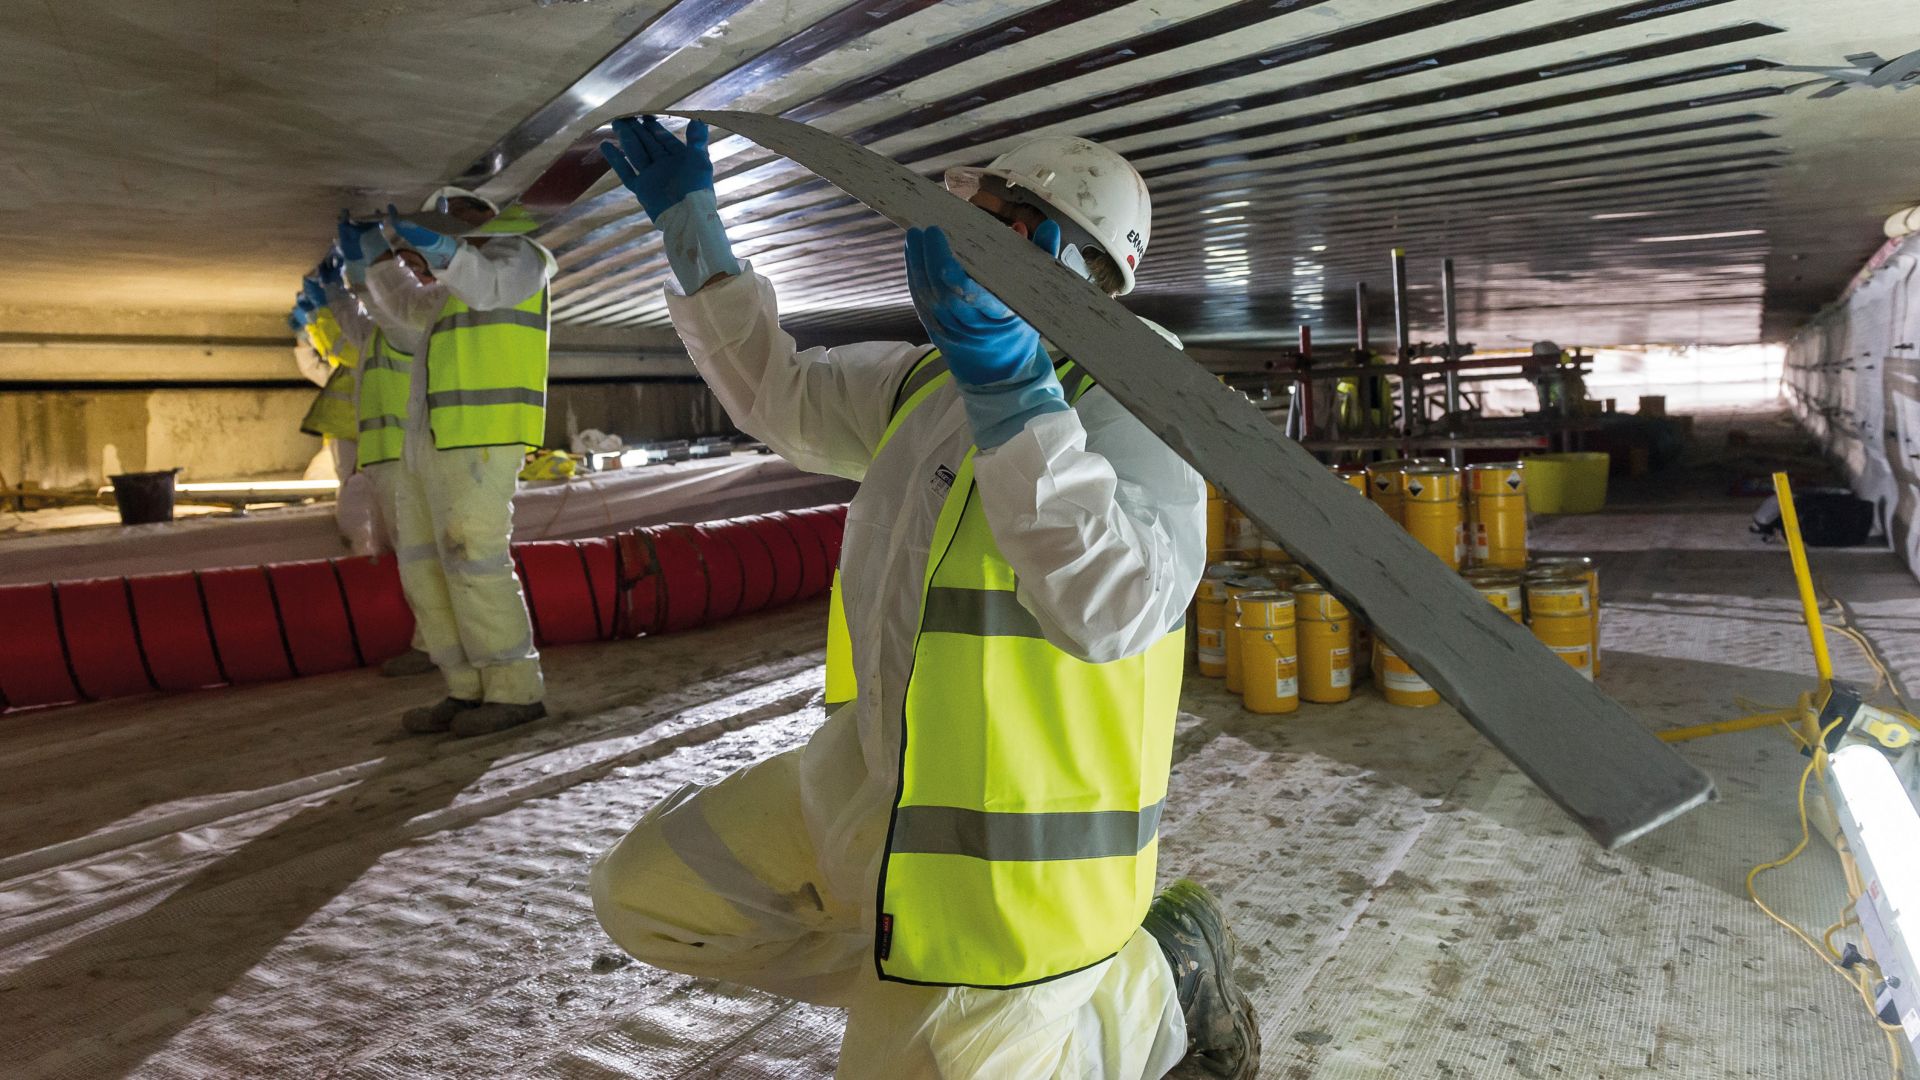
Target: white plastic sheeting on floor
<point>597,504</point>
<point>1853,379</point>
<point>267,882</point>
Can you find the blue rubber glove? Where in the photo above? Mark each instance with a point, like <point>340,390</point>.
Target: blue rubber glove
<point>659,169</point>
<point>347,237</point>
<point>983,340</point>
<point>304,304</point>
<point>298,317</point>
<point>1005,378</point>
<point>329,270</point>
<point>438,249</point>
<point>310,290</point>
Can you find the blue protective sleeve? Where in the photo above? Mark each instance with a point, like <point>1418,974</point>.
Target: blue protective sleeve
<point>1000,410</point>
<point>696,241</point>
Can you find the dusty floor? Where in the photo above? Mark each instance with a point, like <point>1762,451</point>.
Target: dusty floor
<point>266,882</point>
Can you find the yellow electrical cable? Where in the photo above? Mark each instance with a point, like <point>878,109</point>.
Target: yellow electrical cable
<point>1859,985</point>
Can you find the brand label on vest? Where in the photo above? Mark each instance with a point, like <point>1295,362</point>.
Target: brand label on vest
<point>886,935</point>
<point>942,481</point>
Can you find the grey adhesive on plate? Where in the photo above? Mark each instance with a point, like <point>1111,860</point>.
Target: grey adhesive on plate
<point>1582,748</point>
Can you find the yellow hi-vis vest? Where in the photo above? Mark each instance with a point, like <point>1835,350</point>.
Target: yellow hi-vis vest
<point>487,375</point>
<point>332,412</point>
<point>324,333</point>
<point>1023,838</point>
<point>384,379</point>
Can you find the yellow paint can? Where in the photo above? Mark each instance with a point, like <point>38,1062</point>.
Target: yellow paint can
<point>1588,572</point>
<point>1236,588</point>
<point>1210,616</point>
<point>1497,503</point>
<point>1502,588</point>
<point>1243,536</point>
<point>1270,664</point>
<point>1325,632</point>
<point>1430,509</point>
<point>1569,634</point>
<point>1383,486</point>
<point>1216,525</point>
<point>1398,682</point>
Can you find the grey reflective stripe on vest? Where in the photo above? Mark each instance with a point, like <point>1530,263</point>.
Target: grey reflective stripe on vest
<point>466,320</point>
<point>509,395</point>
<point>918,380</point>
<point>400,362</point>
<point>374,422</point>
<point>980,612</point>
<point>950,830</point>
<point>835,706</point>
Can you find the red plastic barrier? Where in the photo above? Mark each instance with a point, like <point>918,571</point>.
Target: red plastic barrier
<point>246,624</point>
<point>382,622</point>
<point>100,638</point>
<point>172,621</point>
<point>109,637</point>
<point>559,594</point>
<point>33,657</point>
<point>320,635</point>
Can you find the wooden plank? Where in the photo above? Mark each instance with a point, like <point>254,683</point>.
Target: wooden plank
<point>1582,748</point>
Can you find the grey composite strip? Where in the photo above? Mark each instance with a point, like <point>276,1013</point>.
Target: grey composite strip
<point>506,395</point>
<point>467,320</point>
<point>980,612</point>
<point>835,706</point>
<point>1587,753</point>
<point>998,837</point>
<point>374,423</point>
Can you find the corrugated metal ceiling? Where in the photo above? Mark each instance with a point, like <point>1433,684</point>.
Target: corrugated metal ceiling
<point>1601,172</point>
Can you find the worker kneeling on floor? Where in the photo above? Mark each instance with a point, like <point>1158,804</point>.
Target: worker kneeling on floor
<point>963,856</point>
<point>467,297</point>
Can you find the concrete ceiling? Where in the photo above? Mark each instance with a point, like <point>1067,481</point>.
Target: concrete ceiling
<point>1601,171</point>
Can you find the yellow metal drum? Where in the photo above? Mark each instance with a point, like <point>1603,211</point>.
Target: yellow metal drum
<point>1216,525</point>
<point>1569,634</point>
<point>1557,594</point>
<point>1237,587</point>
<point>1269,653</point>
<point>1243,536</point>
<point>1588,572</point>
<point>1354,475</point>
<point>1398,682</point>
<point>1502,588</point>
<point>1325,632</point>
<point>1210,616</point>
<point>1497,498</point>
<point>1383,486</point>
<point>1430,509</point>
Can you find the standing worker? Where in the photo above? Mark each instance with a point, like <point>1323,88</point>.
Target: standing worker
<point>380,403</point>
<point>963,855</point>
<point>471,310</point>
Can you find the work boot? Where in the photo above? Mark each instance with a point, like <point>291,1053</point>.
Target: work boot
<point>411,662</point>
<point>1222,1038</point>
<point>429,719</point>
<point>496,716</point>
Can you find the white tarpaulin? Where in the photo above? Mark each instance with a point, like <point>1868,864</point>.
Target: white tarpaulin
<point>1853,380</point>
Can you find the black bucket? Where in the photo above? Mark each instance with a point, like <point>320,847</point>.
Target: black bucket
<point>144,497</point>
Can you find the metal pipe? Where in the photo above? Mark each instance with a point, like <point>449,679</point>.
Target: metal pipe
<point>1303,391</point>
<point>1360,320</point>
<point>1809,606</point>
<point>1403,345</point>
<point>1455,457</point>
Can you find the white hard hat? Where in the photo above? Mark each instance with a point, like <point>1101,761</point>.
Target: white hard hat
<point>1089,185</point>
<point>451,192</point>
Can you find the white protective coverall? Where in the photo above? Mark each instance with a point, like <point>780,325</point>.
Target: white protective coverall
<point>454,508</point>
<point>768,878</point>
